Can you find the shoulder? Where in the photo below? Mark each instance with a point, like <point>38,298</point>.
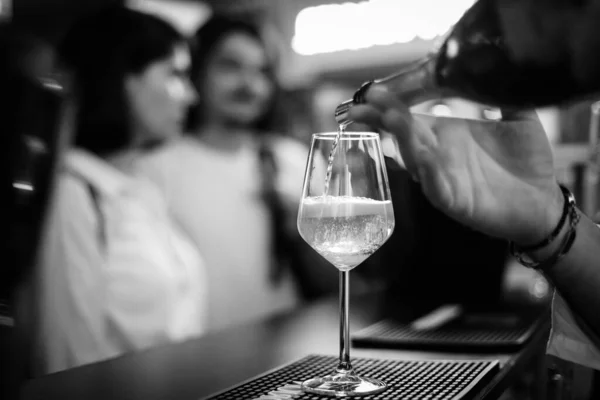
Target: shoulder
<point>71,212</point>
<point>71,192</point>
<point>158,164</point>
<point>174,152</point>
<point>168,151</point>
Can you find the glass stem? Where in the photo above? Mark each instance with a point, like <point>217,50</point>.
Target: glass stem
<point>344,367</point>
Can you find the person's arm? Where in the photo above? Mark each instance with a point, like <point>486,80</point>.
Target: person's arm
<point>577,275</point>
<point>497,178</point>
<point>72,284</point>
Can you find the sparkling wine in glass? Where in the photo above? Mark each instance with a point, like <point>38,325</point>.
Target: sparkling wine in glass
<point>345,221</point>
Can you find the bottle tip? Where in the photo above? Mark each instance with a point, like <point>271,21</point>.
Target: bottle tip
<point>341,113</point>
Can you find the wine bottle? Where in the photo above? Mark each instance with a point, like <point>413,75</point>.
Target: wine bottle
<point>506,53</point>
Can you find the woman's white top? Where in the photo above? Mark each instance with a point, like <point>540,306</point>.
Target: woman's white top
<point>216,197</point>
<point>115,275</point>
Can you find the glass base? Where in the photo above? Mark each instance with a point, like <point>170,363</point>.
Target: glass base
<point>343,385</point>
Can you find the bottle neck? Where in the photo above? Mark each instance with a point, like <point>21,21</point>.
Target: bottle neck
<point>414,83</point>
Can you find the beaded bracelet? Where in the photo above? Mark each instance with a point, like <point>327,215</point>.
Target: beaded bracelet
<point>569,210</point>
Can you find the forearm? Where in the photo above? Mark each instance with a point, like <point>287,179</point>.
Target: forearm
<point>577,275</point>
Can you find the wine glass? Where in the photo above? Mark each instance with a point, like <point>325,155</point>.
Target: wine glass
<point>345,220</point>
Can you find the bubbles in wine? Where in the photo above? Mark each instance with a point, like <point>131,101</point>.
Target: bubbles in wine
<point>345,230</point>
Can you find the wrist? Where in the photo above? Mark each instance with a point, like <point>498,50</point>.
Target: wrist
<point>548,251</point>
<point>552,207</point>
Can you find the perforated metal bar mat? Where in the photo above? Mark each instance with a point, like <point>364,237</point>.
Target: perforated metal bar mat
<point>416,380</point>
<point>451,337</point>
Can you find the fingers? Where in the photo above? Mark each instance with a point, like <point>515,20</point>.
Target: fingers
<point>378,102</point>
<point>415,137</point>
<point>366,114</point>
<point>400,124</point>
<point>384,111</point>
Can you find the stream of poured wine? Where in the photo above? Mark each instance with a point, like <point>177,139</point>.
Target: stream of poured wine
<point>340,132</point>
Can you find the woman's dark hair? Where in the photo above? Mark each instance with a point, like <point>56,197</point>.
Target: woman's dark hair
<point>101,50</point>
<point>204,43</point>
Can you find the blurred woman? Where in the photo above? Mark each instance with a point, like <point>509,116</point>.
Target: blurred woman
<point>234,185</point>
<point>117,275</point>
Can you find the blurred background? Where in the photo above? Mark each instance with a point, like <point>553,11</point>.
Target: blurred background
<point>323,58</point>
